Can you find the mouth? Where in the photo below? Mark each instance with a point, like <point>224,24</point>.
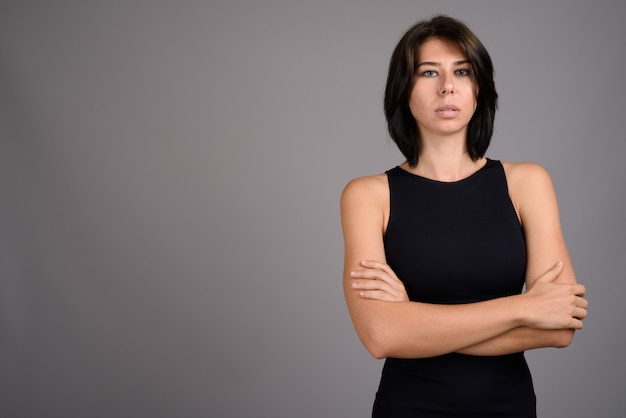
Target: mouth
<point>447,111</point>
<point>448,108</point>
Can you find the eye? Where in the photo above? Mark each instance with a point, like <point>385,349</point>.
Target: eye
<point>462,72</point>
<point>429,73</point>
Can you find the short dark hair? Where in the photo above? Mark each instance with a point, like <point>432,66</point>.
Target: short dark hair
<point>401,123</point>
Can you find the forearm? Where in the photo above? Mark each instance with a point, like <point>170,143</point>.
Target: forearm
<point>520,339</point>
<point>414,330</point>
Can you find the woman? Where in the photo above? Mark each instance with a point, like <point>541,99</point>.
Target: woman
<point>438,249</point>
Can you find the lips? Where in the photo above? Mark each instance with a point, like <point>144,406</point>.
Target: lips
<point>447,111</point>
<point>447,107</point>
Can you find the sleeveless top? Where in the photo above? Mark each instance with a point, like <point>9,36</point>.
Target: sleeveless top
<point>450,243</point>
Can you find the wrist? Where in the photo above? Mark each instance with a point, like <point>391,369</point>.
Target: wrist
<point>517,307</point>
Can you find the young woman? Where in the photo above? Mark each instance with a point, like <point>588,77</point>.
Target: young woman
<point>439,248</point>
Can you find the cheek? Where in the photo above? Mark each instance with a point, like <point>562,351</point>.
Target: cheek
<point>474,95</point>
<point>417,105</point>
<point>417,109</point>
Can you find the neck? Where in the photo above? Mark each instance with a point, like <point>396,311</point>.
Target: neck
<point>445,161</point>
<point>445,157</point>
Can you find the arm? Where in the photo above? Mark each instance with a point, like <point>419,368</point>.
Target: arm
<point>377,281</point>
<point>412,329</point>
<point>532,193</point>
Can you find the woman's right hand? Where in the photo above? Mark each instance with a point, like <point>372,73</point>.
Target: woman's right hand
<point>551,305</point>
<point>376,280</point>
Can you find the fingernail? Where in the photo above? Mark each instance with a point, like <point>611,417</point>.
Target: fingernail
<point>559,264</point>
<point>353,273</point>
<point>355,284</point>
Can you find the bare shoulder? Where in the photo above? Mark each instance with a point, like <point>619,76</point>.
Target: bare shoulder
<point>530,187</point>
<point>526,178</point>
<point>365,202</point>
<point>525,172</point>
<point>366,189</point>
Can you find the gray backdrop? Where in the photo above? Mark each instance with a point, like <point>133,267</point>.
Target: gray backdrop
<point>170,172</point>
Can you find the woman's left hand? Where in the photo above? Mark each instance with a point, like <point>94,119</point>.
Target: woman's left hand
<point>378,281</point>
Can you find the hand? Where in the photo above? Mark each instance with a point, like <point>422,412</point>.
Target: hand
<point>555,305</point>
<point>378,281</point>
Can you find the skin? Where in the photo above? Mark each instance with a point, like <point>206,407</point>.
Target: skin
<point>388,324</point>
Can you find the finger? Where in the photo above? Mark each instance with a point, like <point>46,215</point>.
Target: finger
<point>378,274</point>
<point>580,313</point>
<point>377,295</point>
<point>390,293</point>
<point>396,294</point>
<point>579,290</point>
<point>371,274</point>
<point>378,265</point>
<point>372,285</point>
<point>582,302</point>
<point>384,267</point>
<point>576,324</point>
<point>373,263</point>
<point>552,273</point>
<point>397,291</point>
<point>383,272</point>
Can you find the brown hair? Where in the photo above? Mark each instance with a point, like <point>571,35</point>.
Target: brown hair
<point>401,123</point>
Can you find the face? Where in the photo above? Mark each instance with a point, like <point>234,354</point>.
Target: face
<point>443,97</point>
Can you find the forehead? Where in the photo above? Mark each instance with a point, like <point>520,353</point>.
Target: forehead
<point>439,50</point>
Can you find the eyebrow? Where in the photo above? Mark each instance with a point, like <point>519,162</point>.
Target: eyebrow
<point>438,64</point>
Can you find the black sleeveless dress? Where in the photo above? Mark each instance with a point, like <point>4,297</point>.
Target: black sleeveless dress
<point>457,242</point>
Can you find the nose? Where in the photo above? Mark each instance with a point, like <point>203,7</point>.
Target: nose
<point>447,86</point>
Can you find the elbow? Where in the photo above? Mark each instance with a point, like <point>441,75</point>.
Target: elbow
<point>377,354</point>
<point>563,338</point>
<point>377,344</point>
<point>376,349</point>
<point>383,342</point>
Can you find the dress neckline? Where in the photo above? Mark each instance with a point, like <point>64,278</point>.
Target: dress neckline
<point>489,163</point>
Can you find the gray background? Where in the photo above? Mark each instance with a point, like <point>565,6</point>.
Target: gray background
<point>170,172</point>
